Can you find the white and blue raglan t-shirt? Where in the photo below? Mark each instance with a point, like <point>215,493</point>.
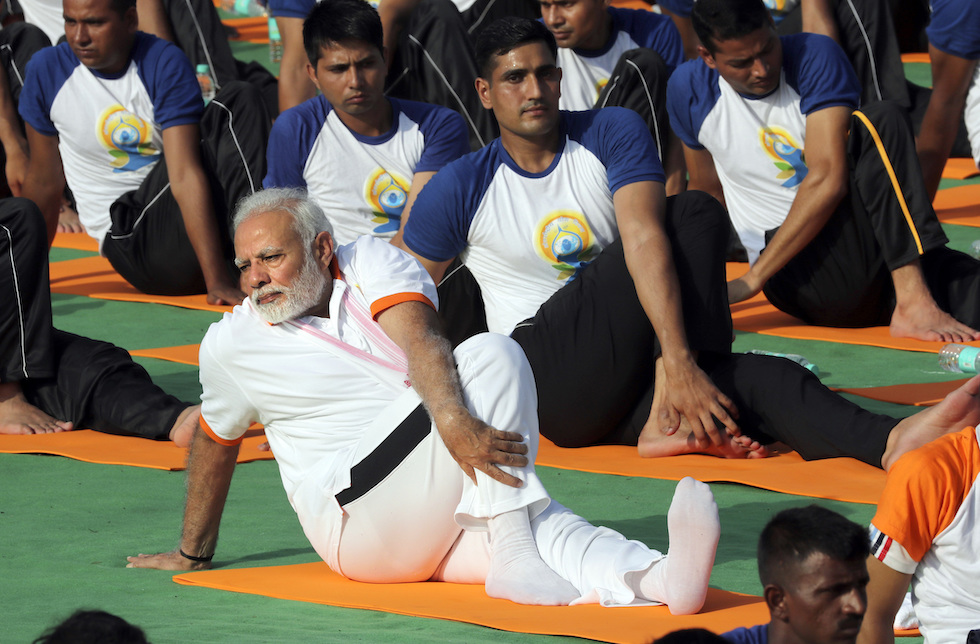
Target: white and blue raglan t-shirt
<point>361,182</point>
<point>109,128</point>
<point>955,29</point>
<point>525,235</point>
<point>758,142</point>
<point>586,72</point>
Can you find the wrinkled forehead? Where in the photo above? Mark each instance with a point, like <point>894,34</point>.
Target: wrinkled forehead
<point>262,231</point>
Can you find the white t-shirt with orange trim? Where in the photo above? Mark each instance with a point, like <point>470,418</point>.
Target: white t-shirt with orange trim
<point>926,526</point>
<point>314,395</point>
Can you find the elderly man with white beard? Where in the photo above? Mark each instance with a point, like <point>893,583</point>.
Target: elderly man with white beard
<point>403,461</point>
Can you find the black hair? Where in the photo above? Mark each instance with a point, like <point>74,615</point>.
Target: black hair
<point>93,627</point>
<point>691,636</point>
<point>122,6</point>
<point>716,20</point>
<point>795,534</point>
<point>333,21</point>
<point>505,34</point>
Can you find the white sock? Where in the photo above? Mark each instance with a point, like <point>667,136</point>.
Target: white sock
<point>517,571</point>
<point>680,579</point>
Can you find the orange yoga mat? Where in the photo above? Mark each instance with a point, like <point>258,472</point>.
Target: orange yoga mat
<point>841,479</point>
<point>95,277</point>
<point>915,57</point>
<point>316,583</point>
<point>757,315</point>
<point>184,354</point>
<point>960,169</point>
<point>923,394</point>
<point>96,447</point>
<point>77,241</point>
<point>959,205</point>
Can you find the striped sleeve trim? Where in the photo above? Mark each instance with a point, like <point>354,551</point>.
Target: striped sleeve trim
<point>890,552</point>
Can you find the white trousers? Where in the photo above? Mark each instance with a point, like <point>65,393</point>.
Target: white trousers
<point>410,526</point>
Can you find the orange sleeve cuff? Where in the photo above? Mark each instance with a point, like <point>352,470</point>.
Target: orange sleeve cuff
<point>380,306</point>
<point>217,439</point>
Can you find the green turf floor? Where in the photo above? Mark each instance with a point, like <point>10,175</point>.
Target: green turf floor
<point>66,526</point>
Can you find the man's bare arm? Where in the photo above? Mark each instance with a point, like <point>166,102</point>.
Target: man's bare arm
<point>295,85</point>
<point>153,19</point>
<point>45,180</point>
<point>181,148</point>
<point>419,179</point>
<point>414,327</point>
<point>674,166</point>
<point>209,473</point>
<point>951,77</point>
<point>819,193</point>
<point>886,591</point>
<point>640,211</point>
<point>394,16</point>
<point>818,18</point>
<point>13,140</point>
<point>702,173</point>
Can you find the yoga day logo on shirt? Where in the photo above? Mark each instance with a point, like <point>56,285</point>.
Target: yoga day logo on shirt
<point>564,239</point>
<point>599,86</point>
<point>787,155</point>
<point>386,195</point>
<point>127,138</point>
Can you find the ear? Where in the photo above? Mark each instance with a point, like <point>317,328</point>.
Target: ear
<point>775,598</point>
<point>323,251</point>
<point>311,72</point>
<point>131,19</point>
<point>706,56</point>
<point>483,91</point>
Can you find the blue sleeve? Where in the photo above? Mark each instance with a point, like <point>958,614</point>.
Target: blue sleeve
<point>446,137</point>
<point>290,142</point>
<point>46,72</point>
<point>754,635</point>
<point>821,73</point>
<point>439,225</point>
<point>170,81</point>
<point>621,141</point>
<point>955,27</point>
<point>691,93</point>
<point>291,8</point>
<point>653,31</point>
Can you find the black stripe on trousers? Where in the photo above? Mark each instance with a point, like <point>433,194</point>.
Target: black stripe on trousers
<point>381,462</point>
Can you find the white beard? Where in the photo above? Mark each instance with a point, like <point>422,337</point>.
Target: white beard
<point>305,293</point>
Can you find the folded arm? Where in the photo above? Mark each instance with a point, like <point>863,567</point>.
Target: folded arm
<point>45,180</point>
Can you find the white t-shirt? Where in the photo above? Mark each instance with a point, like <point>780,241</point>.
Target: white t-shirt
<point>758,142</point>
<point>361,182</point>
<point>524,235</point>
<point>314,396</point>
<point>586,72</point>
<point>109,128</point>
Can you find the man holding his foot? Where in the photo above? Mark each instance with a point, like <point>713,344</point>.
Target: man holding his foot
<point>403,460</point>
<point>52,381</point>
<point>616,294</point>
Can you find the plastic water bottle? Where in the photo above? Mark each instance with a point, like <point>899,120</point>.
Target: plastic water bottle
<point>975,249</point>
<point>960,358</point>
<point>249,8</point>
<point>795,357</point>
<point>206,82</point>
<point>275,41</point>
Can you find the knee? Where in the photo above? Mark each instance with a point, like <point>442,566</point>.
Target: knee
<point>648,61</point>
<point>882,116</point>
<point>24,220</point>
<point>238,92</point>
<point>697,210</point>
<point>495,352</point>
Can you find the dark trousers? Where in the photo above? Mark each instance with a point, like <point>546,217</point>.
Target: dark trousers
<point>148,244</point>
<point>93,384</point>
<point>639,82</point>
<point>199,33</point>
<point>435,60</point>
<point>842,278</point>
<point>592,350</point>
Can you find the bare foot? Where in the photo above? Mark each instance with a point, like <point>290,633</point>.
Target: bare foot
<point>68,221</point>
<point>959,409</point>
<point>17,416</point>
<point>653,444</point>
<point>926,321</point>
<point>183,430</point>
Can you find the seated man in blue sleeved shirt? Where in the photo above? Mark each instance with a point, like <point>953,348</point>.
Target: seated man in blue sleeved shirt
<point>814,576</point>
<point>616,293</point>
<point>839,232</point>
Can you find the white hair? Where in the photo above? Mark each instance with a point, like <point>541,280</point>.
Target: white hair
<point>309,220</point>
